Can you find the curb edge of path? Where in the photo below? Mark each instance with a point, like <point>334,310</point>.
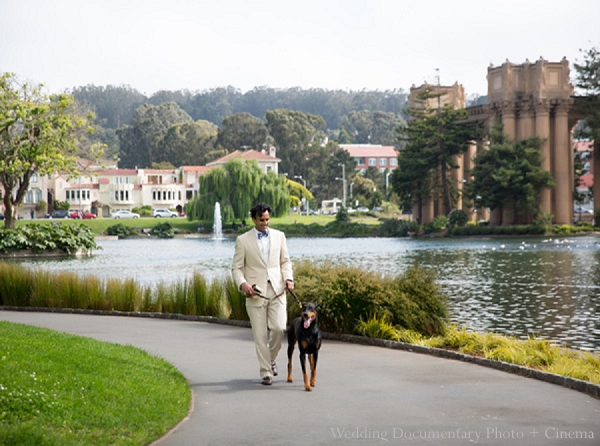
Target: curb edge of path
<point>586,387</point>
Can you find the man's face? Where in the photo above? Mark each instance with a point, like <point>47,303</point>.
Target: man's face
<point>261,222</point>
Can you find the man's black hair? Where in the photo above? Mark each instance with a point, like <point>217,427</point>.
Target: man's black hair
<point>259,209</point>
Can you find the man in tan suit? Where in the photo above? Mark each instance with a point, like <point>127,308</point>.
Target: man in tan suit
<point>261,259</point>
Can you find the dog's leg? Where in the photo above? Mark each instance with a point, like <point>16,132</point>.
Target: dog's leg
<point>313,368</point>
<point>290,351</point>
<point>304,374</point>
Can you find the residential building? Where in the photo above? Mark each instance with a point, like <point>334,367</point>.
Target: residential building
<point>372,155</point>
<point>266,159</point>
<point>103,191</point>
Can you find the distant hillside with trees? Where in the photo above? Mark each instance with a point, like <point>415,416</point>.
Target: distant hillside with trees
<point>115,105</point>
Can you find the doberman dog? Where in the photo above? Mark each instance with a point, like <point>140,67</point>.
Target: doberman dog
<point>305,330</point>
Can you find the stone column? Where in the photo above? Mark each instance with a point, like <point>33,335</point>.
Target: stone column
<point>528,120</point>
<point>508,119</point>
<point>427,212</point>
<point>542,130</point>
<point>563,205</point>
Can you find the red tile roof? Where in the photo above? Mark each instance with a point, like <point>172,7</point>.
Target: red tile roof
<point>246,155</point>
<point>108,172</point>
<point>199,169</point>
<point>365,150</point>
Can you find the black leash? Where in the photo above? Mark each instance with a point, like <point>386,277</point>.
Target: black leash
<point>258,292</point>
<point>295,297</point>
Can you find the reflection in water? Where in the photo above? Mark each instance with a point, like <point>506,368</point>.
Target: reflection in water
<point>526,286</point>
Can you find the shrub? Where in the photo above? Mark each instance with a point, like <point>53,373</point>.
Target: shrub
<point>144,211</point>
<point>397,228</point>
<point>457,218</point>
<point>342,214</point>
<point>61,205</point>
<point>38,238</point>
<point>347,294</point>
<point>120,230</point>
<point>163,230</point>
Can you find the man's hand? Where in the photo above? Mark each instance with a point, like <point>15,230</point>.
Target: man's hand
<point>246,288</point>
<point>289,284</point>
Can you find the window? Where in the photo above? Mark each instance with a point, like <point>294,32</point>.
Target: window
<point>393,161</point>
<point>383,161</point>
<point>34,178</point>
<point>360,161</point>
<point>372,161</point>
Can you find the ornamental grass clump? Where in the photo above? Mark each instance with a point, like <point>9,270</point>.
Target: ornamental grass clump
<point>235,300</point>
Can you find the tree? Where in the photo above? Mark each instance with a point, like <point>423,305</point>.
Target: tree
<point>588,79</point>
<point>293,133</point>
<point>37,136</point>
<point>323,166</point>
<point>437,136</point>
<point>509,174</point>
<point>412,180</point>
<point>113,105</point>
<point>189,143</point>
<point>363,190</point>
<point>373,127</point>
<point>297,192</point>
<point>242,130</point>
<point>237,186</point>
<point>141,142</point>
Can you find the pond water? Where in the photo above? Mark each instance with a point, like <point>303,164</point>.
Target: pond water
<point>547,287</point>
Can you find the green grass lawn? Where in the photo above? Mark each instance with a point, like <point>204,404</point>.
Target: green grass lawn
<point>100,225</point>
<point>58,389</point>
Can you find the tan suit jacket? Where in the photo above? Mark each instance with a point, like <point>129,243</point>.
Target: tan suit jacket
<point>249,265</point>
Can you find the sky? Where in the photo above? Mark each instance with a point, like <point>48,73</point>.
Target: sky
<point>198,45</point>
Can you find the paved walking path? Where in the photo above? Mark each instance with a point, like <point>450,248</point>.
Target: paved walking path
<point>364,395</point>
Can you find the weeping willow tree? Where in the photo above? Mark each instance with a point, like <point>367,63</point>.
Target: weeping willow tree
<point>237,186</point>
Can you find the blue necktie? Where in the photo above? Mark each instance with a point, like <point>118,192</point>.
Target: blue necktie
<point>263,234</point>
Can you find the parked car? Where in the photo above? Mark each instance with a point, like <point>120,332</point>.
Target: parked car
<point>362,209</point>
<point>82,214</point>
<point>124,214</point>
<point>1,216</point>
<point>158,213</point>
<point>58,214</point>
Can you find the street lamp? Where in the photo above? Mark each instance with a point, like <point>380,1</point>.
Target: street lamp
<point>343,183</point>
<point>299,177</point>
<point>387,176</point>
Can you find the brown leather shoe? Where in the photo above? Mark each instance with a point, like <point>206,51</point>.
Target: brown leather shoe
<point>267,381</point>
